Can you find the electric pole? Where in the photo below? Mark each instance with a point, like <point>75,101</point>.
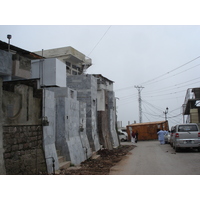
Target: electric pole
<point>139,88</point>
<point>165,112</point>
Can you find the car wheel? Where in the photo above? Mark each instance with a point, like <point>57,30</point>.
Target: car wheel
<point>199,149</point>
<point>122,140</point>
<point>176,149</point>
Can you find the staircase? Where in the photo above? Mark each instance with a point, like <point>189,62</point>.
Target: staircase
<point>95,155</point>
<point>63,164</point>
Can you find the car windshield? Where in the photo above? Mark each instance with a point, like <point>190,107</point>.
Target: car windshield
<point>186,128</point>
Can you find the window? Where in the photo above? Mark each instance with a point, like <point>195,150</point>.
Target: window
<point>186,128</point>
<point>72,94</point>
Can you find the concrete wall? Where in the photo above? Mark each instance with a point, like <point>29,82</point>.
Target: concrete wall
<point>21,67</point>
<point>86,87</point>
<point>51,71</point>
<point>112,118</point>
<point>2,167</point>
<point>5,65</point>
<point>22,132</point>
<point>49,135</point>
<point>71,138</point>
<point>19,105</point>
<point>101,100</point>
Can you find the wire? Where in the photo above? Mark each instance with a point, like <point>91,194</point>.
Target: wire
<point>99,40</point>
<point>170,71</point>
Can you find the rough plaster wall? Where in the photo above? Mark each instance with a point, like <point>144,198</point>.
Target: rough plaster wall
<point>6,64</point>
<point>61,127</point>
<point>86,86</point>
<point>20,107</point>
<point>74,142</point>
<point>112,113</point>
<point>70,114</point>
<point>49,131</point>
<point>83,135</point>
<point>2,167</point>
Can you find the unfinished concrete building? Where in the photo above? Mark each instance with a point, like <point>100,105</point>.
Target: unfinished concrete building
<point>46,122</point>
<point>76,62</point>
<point>191,106</point>
<point>106,112</point>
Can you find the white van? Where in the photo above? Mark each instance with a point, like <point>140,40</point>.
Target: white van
<point>186,136</point>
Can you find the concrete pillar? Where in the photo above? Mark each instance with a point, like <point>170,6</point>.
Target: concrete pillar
<point>2,167</point>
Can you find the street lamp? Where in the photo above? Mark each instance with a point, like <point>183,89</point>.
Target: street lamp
<point>165,112</point>
<point>9,37</point>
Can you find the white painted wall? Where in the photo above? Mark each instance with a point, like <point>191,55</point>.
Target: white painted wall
<point>51,71</point>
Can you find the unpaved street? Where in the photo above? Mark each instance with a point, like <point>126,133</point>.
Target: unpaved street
<point>151,158</point>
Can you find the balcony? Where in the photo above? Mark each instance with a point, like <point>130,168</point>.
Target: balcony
<point>191,99</point>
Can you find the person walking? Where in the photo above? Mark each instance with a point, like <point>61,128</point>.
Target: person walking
<point>136,137</point>
<point>133,137</point>
<point>161,137</point>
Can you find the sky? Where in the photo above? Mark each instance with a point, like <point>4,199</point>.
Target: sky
<point>133,43</point>
<point>148,56</point>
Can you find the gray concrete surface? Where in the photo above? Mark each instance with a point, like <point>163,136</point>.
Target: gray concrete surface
<point>151,158</point>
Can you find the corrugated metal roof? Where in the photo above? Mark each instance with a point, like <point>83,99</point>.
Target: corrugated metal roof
<point>22,52</point>
<point>146,123</point>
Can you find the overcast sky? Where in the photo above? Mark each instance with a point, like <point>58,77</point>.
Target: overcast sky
<point>130,55</point>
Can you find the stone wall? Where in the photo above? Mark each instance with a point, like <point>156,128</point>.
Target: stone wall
<point>23,150</point>
<point>2,167</point>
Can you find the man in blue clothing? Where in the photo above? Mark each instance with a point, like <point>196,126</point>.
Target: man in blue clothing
<point>161,137</point>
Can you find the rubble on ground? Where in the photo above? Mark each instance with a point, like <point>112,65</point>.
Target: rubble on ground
<point>102,165</point>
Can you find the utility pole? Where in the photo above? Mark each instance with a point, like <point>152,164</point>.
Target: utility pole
<point>165,112</point>
<point>139,88</point>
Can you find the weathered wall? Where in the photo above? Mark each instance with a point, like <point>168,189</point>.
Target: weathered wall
<point>22,137</point>
<point>104,125</point>
<point>23,150</point>
<point>86,87</point>
<point>5,65</point>
<point>21,67</point>
<point>20,107</point>
<point>70,115</point>
<point>49,136</point>
<point>112,118</point>
<point>2,166</point>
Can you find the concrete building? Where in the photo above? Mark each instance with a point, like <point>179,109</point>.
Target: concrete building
<point>16,63</point>
<point>75,61</point>
<point>86,87</point>
<point>106,109</point>
<point>48,116</point>
<point>191,106</point>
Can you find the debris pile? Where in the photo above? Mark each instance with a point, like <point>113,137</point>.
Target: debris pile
<point>102,165</point>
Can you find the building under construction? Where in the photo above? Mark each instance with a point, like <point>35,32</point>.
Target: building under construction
<point>148,130</point>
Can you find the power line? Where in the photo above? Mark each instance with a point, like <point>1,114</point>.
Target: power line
<point>170,71</point>
<point>99,40</point>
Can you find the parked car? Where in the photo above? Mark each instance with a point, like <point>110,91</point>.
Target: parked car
<point>186,136</point>
<point>167,137</point>
<point>123,136</point>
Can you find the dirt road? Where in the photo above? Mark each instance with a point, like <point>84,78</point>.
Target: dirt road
<point>151,158</point>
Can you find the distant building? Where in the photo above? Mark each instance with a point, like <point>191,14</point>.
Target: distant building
<point>76,62</point>
<point>191,106</point>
